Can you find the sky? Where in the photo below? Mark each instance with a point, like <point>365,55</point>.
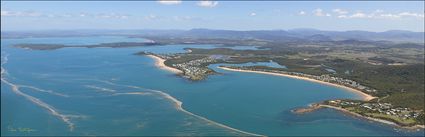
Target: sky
<point>230,15</point>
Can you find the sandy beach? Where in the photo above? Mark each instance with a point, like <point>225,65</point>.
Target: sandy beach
<point>365,97</point>
<point>159,62</point>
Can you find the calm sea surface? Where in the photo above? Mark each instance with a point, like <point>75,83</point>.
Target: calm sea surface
<point>110,91</point>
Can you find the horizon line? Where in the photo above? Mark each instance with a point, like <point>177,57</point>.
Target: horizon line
<point>145,29</point>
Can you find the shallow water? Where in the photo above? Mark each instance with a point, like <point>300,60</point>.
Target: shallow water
<point>268,64</point>
<point>110,91</point>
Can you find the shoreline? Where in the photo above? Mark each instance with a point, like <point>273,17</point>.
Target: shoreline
<point>159,62</point>
<point>365,97</point>
<point>415,127</point>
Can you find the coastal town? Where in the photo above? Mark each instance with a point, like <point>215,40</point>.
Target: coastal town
<point>193,70</point>
<point>400,115</point>
<point>403,116</point>
<point>371,109</point>
<point>196,68</point>
<point>325,78</point>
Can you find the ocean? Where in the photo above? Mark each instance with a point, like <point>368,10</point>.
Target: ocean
<point>111,91</point>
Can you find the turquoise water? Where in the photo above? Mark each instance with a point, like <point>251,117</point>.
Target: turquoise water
<point>330,70</point>
<point>268,64</point>
<point>110,91</point>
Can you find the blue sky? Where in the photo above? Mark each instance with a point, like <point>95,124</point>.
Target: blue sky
<point>231,15</point>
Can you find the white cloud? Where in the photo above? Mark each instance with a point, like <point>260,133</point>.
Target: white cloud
<point>187,18</point>
<point>319,12</point>
<point>151,17</point>
<point>253,14</point>
<point>388,16</point>
<point>277,10</point>
<point>111,15</point>
<point>410,14</point>
<point>340,11</point>
<point>169,2</point>
<point>66,15</point>
<point>378,11</point>
<point>301,13</point>
<point>376,14</point>
<point>358,15</point>
<point>342,16</point>
<point>82,14</point>
<point>207,3</point>
<point>5,13</point>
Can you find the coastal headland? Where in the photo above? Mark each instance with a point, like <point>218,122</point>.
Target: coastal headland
<point>316,106</point>
<point>312,107</point>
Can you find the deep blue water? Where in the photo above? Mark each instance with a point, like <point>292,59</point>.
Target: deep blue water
<point>110,91</point>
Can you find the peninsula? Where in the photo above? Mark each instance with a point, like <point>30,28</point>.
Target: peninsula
<point>367,108</point>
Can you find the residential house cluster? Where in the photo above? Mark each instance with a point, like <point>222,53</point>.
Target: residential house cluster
<point>194,69</point>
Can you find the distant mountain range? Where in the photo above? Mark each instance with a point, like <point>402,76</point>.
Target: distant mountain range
<point>272,35</point>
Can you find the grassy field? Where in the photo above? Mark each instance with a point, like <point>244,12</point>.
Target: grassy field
<point>392,118</point>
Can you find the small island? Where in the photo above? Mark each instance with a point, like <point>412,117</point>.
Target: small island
<point>103,45</point>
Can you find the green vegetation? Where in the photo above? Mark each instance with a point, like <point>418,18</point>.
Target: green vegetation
<point>385,111</point>
<point>395,119</point>
<point>103,45</point>
<point>395,70</point>
<point>400,85</point>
